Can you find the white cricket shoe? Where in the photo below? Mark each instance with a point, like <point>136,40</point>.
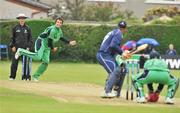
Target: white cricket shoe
<point>35,80</point>
<point>108,95</point>
<point>114,92</point>
<point>11,79</point>
<point>169,101</point>
<point>141,100</point>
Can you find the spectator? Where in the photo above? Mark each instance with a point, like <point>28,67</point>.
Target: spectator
<point>171,51</point>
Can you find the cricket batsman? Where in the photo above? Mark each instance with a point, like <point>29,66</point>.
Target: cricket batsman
<point>106,56</point>
<point>155,71</point>
<point>44,45</point>
<point>146,44</point>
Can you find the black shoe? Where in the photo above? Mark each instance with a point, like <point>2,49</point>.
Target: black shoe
<point>28,78</point>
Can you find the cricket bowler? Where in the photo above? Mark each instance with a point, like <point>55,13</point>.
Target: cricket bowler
<point>44,45</point>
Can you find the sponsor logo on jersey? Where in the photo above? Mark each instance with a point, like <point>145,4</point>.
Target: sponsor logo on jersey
<point>25,31</point>
<point>18,30</point>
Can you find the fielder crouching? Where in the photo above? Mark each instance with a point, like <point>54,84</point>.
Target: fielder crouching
<point>155,71</point>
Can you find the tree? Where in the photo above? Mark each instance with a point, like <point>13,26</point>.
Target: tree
<point>82,10</point>
<point>76,8</point>
<point>101,12</point>
<point>61,11</point>
<point>156,12</point>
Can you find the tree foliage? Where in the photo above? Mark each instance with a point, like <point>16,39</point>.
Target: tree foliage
<point>89,37</point>
<point>76,8</point>
<point>82,10</point>
<point>106,12</point>
<point>156,12</point>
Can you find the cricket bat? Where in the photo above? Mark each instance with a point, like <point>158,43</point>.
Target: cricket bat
<point>140,48</point>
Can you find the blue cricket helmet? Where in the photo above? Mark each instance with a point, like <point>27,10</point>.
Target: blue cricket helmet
<point>122,24</point>
<point>154,54</point>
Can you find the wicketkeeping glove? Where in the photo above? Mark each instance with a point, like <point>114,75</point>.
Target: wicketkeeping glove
<point>153,97</point>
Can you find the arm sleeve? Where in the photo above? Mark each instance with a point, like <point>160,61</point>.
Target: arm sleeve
<point>50,43</point>
<point>30,39</point>
<point>115,45</point>
<point>65,40</point>
<point>12,41</point>
<point>50,39</point>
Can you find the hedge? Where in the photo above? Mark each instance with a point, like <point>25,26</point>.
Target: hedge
<point>89,37</point>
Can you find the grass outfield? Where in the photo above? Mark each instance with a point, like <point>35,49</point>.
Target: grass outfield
<point>62,72</point>
<point>17,102</point>
<point>21,100</point>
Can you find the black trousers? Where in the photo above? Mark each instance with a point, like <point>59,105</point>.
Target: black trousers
<point>14,67</point>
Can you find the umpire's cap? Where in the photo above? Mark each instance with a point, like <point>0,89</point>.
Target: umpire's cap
<point>23,16</point>
<point>154,54</point>
<point>122,24</point>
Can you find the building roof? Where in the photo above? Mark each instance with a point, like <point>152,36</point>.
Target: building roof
<point>32,4</point>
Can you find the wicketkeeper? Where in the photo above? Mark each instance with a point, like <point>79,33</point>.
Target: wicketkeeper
<point>155,71</point>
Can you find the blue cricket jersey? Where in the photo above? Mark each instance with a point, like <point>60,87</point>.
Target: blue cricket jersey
<point>111,43</point>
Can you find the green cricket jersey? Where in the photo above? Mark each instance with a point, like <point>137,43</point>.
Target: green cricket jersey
<point>53,33</point>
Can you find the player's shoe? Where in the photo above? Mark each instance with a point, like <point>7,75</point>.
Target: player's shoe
<point>114,92</point>
<point>141,100</point>
<point>169,101</point>
<point>35,80</point>
<point>11,79</point>
<point>108,95</point>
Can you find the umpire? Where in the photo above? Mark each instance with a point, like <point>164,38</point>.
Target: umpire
<point>21,38</point>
